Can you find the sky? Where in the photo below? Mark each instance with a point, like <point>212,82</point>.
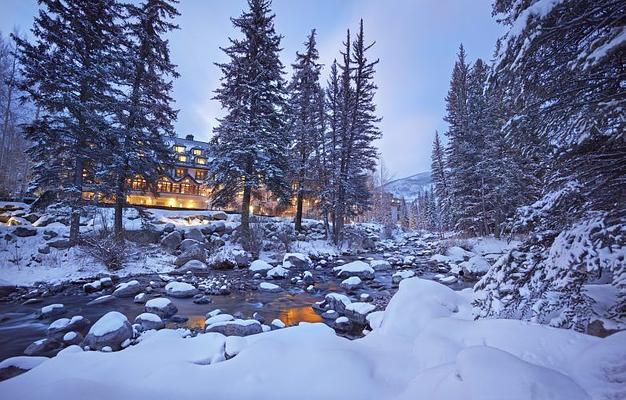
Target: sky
<point>416,42</point>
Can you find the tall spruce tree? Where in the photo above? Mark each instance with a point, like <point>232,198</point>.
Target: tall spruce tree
<point>145,115</point>
<point>561,66</point>
<point>250,142</point>
<point>69,73</point>
<point>305,124</point>
<point>439,177</point>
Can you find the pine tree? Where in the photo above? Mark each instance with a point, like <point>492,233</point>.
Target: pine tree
<point>146,115</point>
<point>68,74</point>
<point>305,124</point>
<point>250,141</point>
<point>561,70</point>
<point>440,184</point>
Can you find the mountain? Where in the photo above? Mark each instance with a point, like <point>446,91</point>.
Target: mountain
<point>410,186</point>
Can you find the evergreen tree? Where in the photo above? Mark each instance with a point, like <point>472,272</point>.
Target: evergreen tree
<point>561,71</point>
<point>250,142</point>
<point>439,177</point>
<point>68,73</point>
<point>145,115</point>
<point>305,124</point>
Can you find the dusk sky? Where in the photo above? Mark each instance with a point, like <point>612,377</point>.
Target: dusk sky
<point>416,41</point>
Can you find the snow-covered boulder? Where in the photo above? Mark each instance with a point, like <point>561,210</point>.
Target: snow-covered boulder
<point>161,306</point>
<point>195,234</point>
<point>51,310</point>
<point>380,265</point>
<point>180,289</point>
<point>260,266</point>
<point>448,280</point>
<point>476,265</point>
<point>128,289</point>
<point>193,266</point>
<point>229,258</point>
<point>269,287</point>
<point>337,302</point>
<point>194,252</point>
<point>111,330</point>
<point>189,243</point>
<point>342,324</point>
<point>72,338</point>
<point>171,241</point>
<point>14,366</point>
<point>219,216</point>
<point>107,298</point>
<point>237,327</point>
<point>215,318</point>
<point>149,321</point>
<point>355,268</point>
<point>307,278</point>
<point>357,312</point>
<point>58,328</point>
<point>351,283</point>
<point>457,254</point>
<point>42,347</point>
<point>91,287</point>
<point>296,260</point>
<point>141,298</point>
<point>400,275</point>
<point>277,272</point>
<point>277,324</point>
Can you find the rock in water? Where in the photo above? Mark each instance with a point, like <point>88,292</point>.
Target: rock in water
<point>180,289</point>
<point>111,330</point>
<point>127,289</point>
<point>149,321</point>
<point>161,306</point>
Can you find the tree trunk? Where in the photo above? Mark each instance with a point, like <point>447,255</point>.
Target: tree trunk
<point>7,113</point>
<point>120,201</point>
<point>299,203</point>
<point>76,198</point>
<point>245,210</point>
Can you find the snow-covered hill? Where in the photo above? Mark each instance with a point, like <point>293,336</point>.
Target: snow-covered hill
<point>410,187</point>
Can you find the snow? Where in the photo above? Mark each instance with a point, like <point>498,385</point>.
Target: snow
<point>270,287</point>
<point>353,267</point>
<point>361,308</point>
<point>260,266</point>
<point>22,362</point>
<point>476,264</point>
<point>69,336</point>
<point>109,322</point>
<point>148,317</point>
<point>425,345</point>
<point>352,281</point>
<point>49,308</point>
<point>178,287</point>
<point>218,318</point>
<point>158,303</point>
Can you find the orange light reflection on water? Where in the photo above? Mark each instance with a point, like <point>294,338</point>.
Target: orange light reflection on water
<point>294,315</point>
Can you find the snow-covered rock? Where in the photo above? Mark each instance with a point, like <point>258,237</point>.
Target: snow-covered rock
<point>180,289</point>
<point>337,302</point>
<point>128,289</point>
<point>195,234</point>
<point>214,319</point>
<point>229,258</point>
<point>380,265</point>
<point>149,321</point>
<point>58,328</point>
<point>355,268</point>
<point>161,306</point>
<point>475,265</point>
<point>111,330</point>
<point>193,266</point>
<point>277,324</point>
<point>16,365</point>
<point>195,251</point>
<point>269,287</point>
<point>357,312</point>
<point>237,327</point>
<point>141,298</point>
<point>457,254</point>
<point>260,266</point>
<point>296,260</point>
<point>171,241</point>
<point>42,347</point>
<point>351,283</point>
<point>400,275</point>
<point>51,310</point>
<point>277,272</point>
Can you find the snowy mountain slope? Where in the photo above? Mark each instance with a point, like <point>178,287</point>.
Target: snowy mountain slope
<point>411,186</point>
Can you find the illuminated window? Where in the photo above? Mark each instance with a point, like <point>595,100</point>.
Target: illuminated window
<point>180,172</point>
<point>200,175</point>
<point>201,161</point>
<point>179,149</point>
<point>197,152</point>
<point>138,183</point>
<point>182,158</point>
<point>164,185</point>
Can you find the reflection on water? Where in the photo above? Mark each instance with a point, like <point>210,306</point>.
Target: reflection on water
<point>196,321</point>
<point>294,315</point>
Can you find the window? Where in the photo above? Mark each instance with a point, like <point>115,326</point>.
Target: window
<point>138,183</point>
<point>182,158</point>
<point>197,152</point>
<point>164,185</point>
<point>180,172</point>
<point>179,149</point>
<point>201,161</point>
<point>200,174</point>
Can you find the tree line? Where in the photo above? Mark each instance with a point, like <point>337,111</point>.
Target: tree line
<point>100,76</point>
<point>535,145</point>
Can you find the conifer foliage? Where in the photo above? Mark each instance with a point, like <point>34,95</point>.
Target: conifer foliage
<point>250,142</point>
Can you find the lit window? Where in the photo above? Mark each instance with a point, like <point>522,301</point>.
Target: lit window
<point>180,172</point>
<point>197,152</point>
<point>179,149</point>
<point>201,161</point>
<point>182,158</point>
<point>201,175</point>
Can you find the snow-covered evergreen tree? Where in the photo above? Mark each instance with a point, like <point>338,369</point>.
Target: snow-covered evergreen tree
<point>145,114</point>
<point>575,117</point>
<point>250,142</point>
<point>439,177</point>
<point>68,73</point>
<point>306,125</point>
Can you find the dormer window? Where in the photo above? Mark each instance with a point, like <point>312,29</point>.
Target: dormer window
<point>179,149</point>
<point>197,152</point>
<point>180,172</point>
<point>201,160</point>
<point>182,158</point>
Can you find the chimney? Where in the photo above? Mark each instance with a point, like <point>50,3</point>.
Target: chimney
<point>189,137</point>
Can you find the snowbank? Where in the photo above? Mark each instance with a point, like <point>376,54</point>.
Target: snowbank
<point>424,346</point>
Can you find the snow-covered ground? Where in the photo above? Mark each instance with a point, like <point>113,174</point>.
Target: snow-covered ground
<point>426,346</point>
